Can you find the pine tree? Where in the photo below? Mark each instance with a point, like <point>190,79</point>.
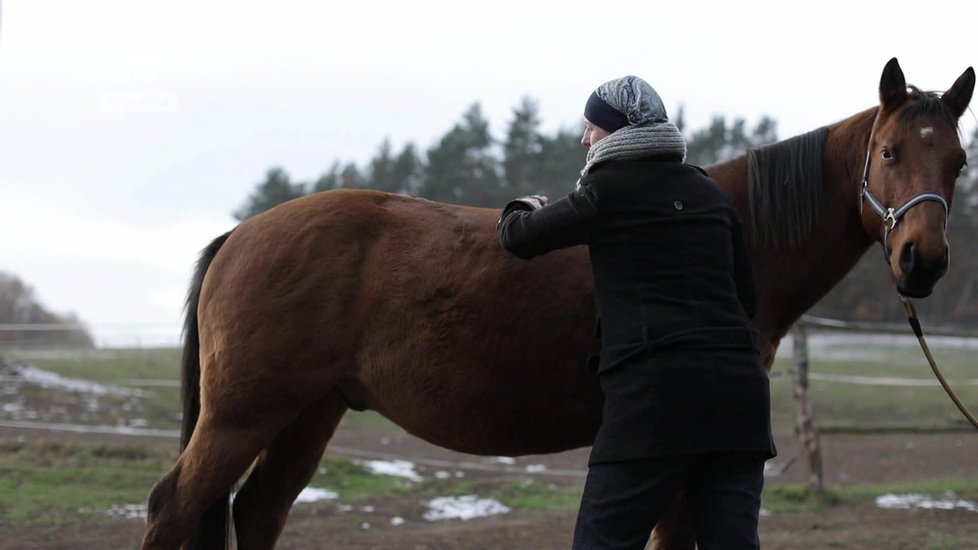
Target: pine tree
<point>275,190</point>
<point>562,158</point>
<point>351,178</point>
<point>522,151</point>
<point>400,174</point>
<point>380,175</point>
<point>408,171</point>
<point>328,180</point>
<point>461,167</point>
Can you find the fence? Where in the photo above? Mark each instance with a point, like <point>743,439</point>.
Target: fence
<point>805,423</point>
<point>112,335</point>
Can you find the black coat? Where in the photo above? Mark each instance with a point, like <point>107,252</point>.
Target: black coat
<point>679,362</point>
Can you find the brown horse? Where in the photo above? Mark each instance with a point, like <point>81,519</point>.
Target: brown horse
<point>365,300</point>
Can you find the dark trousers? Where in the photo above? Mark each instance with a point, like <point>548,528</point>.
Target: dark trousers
<point>623,501</point>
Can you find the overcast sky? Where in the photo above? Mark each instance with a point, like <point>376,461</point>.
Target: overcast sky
<point>130,130</point>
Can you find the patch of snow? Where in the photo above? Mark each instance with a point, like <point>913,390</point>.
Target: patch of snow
<point>397,520</point>
<point>464,507</point>
<point>505,460</point>
<point>396,468</point>
<point>26,374</point>
<point>314,494</point>
<point>773,469</point>
<point>536,468</point>
<point>442,474</point>
<point>917,500</point>
<point>127,511</point>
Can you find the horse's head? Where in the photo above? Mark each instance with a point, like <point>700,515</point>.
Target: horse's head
<point>914,158</point>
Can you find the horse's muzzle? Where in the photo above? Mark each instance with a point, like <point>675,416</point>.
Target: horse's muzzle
<point>917,273</point>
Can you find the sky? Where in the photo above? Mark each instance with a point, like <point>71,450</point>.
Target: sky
<point>130,130</point>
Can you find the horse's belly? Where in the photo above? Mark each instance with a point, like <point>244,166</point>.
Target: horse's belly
<point>481,414</point>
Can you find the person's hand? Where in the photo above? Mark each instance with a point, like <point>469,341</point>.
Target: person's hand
<point>534,201</point>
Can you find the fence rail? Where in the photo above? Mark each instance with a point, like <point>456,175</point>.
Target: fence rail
<point>113,335</point>
<point>806,424</point>
<point>42,327</point>
<point>813,321</point>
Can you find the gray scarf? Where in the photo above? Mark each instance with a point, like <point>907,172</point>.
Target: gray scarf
<point>646,140</point>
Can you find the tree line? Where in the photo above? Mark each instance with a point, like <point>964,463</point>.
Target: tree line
<point>468,165</point>
<point>19,307</point>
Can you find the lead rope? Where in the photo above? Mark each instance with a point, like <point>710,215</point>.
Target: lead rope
<point>915,325</point>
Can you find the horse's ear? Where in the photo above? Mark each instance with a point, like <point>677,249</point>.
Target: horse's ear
<point>893,86</point>
<point>958,97</point>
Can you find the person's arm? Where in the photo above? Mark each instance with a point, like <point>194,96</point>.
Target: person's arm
<point>743,272</point>
<point>527,230</point>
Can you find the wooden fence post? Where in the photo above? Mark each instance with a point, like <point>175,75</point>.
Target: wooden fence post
<point>806,425</point>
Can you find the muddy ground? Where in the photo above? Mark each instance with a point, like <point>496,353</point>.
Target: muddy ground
<point>848,460</point>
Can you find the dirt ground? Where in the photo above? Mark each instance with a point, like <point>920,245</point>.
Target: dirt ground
<point>848,460</point>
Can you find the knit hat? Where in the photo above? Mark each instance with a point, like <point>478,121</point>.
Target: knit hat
<point>625,101</point>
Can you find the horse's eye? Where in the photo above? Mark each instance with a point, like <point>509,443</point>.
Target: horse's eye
<point>887,154</point>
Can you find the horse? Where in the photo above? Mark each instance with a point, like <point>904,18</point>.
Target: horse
<point>357,299</point>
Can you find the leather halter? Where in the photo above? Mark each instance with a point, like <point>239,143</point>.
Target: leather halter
<point>891,216</point>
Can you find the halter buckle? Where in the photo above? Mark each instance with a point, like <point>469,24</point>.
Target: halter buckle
<point>890,218</point>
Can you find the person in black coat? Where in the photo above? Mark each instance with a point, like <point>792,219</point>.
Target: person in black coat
<point>687,402</point>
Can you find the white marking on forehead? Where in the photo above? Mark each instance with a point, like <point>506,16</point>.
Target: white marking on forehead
<point>926,131</point>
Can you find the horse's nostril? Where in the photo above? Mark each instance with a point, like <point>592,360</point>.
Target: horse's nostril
<point>907,254</point>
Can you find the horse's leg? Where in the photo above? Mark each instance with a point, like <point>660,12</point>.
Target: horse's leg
<point>282,471</point>
<point>237,421</point>
<point>675,529</point>
<point>218,454</point>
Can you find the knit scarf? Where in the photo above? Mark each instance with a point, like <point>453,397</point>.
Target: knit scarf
<point>631,142</point>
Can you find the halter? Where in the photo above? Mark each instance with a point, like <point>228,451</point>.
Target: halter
<point>891,216</point>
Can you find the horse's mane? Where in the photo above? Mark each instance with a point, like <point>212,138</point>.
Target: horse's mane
<point>784,183</point>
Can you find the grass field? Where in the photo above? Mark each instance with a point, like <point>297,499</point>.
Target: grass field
<point>47,483</point>
<point>838,405</point>
<point>867,407</point>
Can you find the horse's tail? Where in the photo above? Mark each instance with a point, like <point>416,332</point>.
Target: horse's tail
<point>214,529</point>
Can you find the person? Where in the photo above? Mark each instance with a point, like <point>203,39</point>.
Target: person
<point>687,400</point>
